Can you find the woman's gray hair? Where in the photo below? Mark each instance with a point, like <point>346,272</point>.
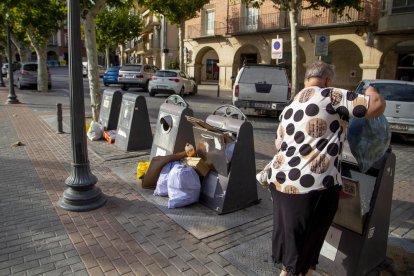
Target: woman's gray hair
<point>320,69</point>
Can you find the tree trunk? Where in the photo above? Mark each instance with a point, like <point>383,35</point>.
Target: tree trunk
<point>92,57</point>
<point>181,30</point>
<point>121,49</point>
<point>42,75</point>
<point>22,48</point>
<point>107,59</point>
<point>293,18</point>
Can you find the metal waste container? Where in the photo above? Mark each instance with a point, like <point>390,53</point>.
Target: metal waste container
<point>356,242</point>
<point>173,130</point>
<point>134,129</point>
<point>231,182</point>
<point>110,107</point>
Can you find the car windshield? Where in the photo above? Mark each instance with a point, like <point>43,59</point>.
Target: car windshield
<point>271,75</point>
<point>30,67</point>
<point>113,69</point>
<point>131,68</point>
<point>395,91</point>
<point>167,74</point>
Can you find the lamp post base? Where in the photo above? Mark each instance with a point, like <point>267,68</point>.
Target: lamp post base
<point>12,100</point>
<point>81,195</point>
<point>81,201</point>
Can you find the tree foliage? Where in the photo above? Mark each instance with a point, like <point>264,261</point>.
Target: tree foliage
<point>117,26</point>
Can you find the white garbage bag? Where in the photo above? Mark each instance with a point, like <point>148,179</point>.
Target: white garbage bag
<point>183,186</point>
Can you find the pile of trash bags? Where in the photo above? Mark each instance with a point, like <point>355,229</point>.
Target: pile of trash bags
<point>180,183</point>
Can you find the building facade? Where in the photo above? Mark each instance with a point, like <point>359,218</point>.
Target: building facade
<point>157,44</point>
<point>377,42</point>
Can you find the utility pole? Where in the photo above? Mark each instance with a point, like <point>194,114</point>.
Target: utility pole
<point>12,98</point>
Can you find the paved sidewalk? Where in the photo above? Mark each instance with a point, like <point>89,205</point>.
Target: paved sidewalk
<point>127,236</point>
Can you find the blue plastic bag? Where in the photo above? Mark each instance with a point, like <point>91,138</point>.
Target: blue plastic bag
<point>368,140</point>
<point>162,189</point>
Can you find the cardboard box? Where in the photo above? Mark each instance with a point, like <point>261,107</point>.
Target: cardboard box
<point>109,135</point>
<point>157,163</point>
<point>201,167</point>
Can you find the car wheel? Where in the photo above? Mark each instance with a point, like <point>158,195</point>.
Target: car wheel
<point>106,84</point>
<point>49,86</point>
<point>124,88</point>
<point>182,92</point>
<point>151,93</point>
<point>194,90</point>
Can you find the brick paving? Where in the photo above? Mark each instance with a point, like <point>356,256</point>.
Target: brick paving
<point>127,236</point>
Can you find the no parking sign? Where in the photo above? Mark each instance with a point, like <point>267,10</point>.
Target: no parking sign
<point>277,48</point>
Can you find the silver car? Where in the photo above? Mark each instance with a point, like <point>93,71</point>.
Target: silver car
<point>25,75</point>
<point>399,96</point>
<point>136,75</point>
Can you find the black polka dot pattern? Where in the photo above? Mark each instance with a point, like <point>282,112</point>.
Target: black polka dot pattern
<point>305,149</point>
<point>359,111</point>
<point>290,151</point>
<point>299,137</point>
<point>312,110</point>
<point>290,129</point>
<point>333,149</point>
<point>288,114</point>
<point>294,161</point>
<point>307,180</point>
<point>310,139</point>
<point>350,96</point>
<point>298,116</point>
<point>281,177</point>
<point>294,174</point>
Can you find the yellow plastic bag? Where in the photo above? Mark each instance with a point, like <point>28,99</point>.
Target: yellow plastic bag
<point>142,169</point>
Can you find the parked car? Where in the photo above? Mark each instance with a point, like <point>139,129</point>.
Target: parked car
<point>111,75</point>
<point>4,69</point>
<point>261,88</point>
<point>136,75</point>
<point>25,75</point>
<point>171,82</point>
<point>399,96</point>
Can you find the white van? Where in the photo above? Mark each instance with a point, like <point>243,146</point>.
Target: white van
<point>263,89</point>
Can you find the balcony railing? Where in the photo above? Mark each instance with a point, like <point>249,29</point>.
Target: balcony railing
<point>269,21</point>
<point>199,31</point>
<point>280,20</point>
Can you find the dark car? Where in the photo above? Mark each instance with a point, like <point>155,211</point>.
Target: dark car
<point>111,75</point>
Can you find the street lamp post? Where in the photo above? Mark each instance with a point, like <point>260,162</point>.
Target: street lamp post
<point>81,194</point>
<point>12,98</point>
<point>1,73</point>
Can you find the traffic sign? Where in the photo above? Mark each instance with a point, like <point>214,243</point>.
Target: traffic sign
<point>277,48</point>
<point>131,59</point>
<point>321,45</point>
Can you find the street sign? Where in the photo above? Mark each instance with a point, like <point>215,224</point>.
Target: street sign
<point>321,45</point>
<point>277,48</point>
<point>131,59</point>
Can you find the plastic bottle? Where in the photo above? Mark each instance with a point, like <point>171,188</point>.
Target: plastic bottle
<point>189,150</point>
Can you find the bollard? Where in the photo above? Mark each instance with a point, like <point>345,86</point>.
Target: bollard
<point>356,242</point>
<point>59,118</point>
<point>173,130</point>
<point>218,90</point>
<point>134,129</point>
<point>231,183</point>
